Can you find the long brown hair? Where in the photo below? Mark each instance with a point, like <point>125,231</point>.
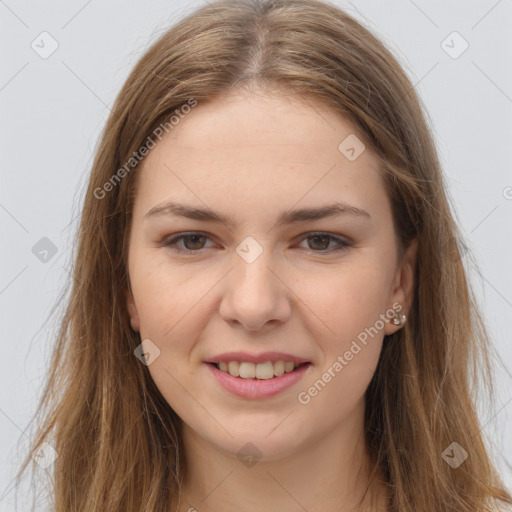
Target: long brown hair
<point>118,441</point>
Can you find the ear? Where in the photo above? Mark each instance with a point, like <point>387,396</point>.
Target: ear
<point>132,311</point>
<point>403,285</point>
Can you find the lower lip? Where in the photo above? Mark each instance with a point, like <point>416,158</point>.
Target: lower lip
<point>255,388</point>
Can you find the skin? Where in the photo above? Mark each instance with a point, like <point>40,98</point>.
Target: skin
<point>251,155</point>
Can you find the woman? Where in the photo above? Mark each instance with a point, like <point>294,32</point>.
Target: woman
<point>269,308</point>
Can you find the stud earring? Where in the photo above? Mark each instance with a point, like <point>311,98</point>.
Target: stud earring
<point>399,319</point>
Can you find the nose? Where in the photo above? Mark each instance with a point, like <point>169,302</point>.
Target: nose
<point>255,294</point>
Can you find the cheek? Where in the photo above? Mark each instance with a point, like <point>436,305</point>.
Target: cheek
<point>166,295</point>
<point>350,333</point>
<point>345,301</point>
<point>345,311</point>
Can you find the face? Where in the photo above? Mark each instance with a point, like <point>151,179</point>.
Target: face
<point>299,288</point>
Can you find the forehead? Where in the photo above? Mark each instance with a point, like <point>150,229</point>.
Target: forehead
<point>253,150</point>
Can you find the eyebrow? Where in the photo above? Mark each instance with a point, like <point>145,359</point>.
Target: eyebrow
<point>286,217</point>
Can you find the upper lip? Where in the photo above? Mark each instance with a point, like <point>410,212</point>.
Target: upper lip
<point>256,358</point>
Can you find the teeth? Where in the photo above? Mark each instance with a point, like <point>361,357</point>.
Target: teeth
<point>288,366</point>
<point>233,368</point>
<point>247,370</point>
<point>262,371</point>
<point>278,368</point>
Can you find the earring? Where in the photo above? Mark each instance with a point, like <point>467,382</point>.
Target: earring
<point>399,319</point>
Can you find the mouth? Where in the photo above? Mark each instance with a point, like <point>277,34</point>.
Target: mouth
<point>258,371</point>
<point>253,383</point>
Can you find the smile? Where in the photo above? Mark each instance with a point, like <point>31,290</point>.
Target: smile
<point>262,380</point>
<point>262,371</point>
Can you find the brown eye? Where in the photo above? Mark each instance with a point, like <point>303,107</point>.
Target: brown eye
<point>193,242</point>
<point>319,242</point>
<point>196,241</point>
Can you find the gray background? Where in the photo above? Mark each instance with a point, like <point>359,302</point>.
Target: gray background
<point>52,111</point>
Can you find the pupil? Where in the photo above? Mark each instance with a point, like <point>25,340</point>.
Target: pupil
<point>324,237</point>
<point>192,237</point>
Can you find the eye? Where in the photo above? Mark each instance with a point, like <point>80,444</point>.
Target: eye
<point>194,242</point>
<point>321,241</point>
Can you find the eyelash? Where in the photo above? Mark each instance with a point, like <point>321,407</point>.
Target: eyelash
<point>342,245</point>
